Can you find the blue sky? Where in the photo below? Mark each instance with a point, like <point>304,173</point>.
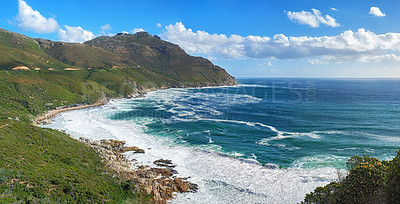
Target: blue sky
<point>253,38</point>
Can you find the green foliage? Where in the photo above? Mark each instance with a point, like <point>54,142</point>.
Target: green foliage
<point>17,50</point>
<point>141,51</point>
<point>323,194</point>
<point>45,165</point>
<point>393,180</point>
<point>369,181</point>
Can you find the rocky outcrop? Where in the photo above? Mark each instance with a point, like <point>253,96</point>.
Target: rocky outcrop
<point>159,182</point>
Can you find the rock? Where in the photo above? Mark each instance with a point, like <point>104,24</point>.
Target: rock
<point>156,181</point>
<point>164,163</point>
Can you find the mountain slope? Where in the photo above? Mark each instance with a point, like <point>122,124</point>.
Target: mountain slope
<point>139,51</point>
<point>83,56</point>
<point>19,50</point>
<point>165,58</point>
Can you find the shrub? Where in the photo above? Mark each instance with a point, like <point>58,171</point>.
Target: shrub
<point>369,181</point>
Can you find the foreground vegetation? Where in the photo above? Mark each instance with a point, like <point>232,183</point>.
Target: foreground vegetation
<point>369,181</point>
<point>46,166</point>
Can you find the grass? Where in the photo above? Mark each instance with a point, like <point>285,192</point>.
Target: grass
<point>47,166</point>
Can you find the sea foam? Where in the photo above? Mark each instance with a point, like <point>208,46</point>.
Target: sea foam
<point>221,178</point>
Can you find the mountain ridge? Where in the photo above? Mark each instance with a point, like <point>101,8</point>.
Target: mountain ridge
<point>140,50</point>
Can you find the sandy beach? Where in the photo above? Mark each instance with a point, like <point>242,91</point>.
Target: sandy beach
<point>52,113</point>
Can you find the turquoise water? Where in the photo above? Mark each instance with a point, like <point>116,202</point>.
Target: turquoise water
<point>306,123</point>
<point>265,141</point>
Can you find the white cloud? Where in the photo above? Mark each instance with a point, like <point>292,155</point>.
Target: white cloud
<point>313,19</point>
<point>266,64</point>
<point>32,20</point>
<point>74,34</point>
<point>317,61</point>
<point>105,27</point>
<point>375,11</point>
<point>361,45</point>
<point>159,25</point>
<point>137,30</point>
<point>333,9</point>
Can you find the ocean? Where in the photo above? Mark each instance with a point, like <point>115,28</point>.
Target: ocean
<point>263,141</point>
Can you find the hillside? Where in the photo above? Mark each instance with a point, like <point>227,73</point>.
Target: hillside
<point>162,57</point>
<point>19,50</point>
<point>83,56</point>
<point>137,51</point>
<point>39,165</point>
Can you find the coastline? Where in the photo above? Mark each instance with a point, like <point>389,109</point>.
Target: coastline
<point>160,181</point>
<point>205,168</point>
<point>140,94</point>
<point>52,113</point>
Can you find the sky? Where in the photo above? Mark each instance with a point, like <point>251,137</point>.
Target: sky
<point>249,38</point>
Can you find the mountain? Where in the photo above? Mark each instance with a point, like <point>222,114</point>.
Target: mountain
<point>129,51</point>
<point>163,57</point>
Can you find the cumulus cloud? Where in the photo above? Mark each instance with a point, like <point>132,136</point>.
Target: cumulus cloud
<point>31,20</point>
<point>333,9</point>
<point>375,11</point>
<point>159,25</point>
<point>137,30</point>
<point>313,19</point>
<point>361,45</point>
<point>105,27</point>
<point>74,34</point>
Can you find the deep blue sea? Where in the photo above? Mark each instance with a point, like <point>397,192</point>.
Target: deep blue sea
<point>266,140</point>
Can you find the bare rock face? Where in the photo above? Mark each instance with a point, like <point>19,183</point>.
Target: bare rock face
<point>160,182</point>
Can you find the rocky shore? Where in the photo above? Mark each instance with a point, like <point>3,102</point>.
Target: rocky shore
<point>159,182</point>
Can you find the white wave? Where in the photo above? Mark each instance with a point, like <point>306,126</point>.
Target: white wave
<point>385,138</point>
<point>277,87</point>
<point>344,149</point>
<point>280,134</point>
<point>237,154</point>
<point>320,161</point>
<point>221,179</point>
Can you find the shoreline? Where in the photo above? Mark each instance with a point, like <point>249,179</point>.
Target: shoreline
<point>202,167</point>
<point>160,181</point>
<point>52,113</point>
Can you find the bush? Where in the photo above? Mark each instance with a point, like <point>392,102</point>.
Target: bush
<point>369,181</point>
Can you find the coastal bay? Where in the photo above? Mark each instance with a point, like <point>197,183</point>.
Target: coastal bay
<point>200,131</point>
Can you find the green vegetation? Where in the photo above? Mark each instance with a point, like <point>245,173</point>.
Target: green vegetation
<point>125,51</point>
<point>163,58</point>
<point>17,50</point>
<point>40,165</point>
<point>26,94</point>
<point>46,166</point>
<point>369,181</point>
